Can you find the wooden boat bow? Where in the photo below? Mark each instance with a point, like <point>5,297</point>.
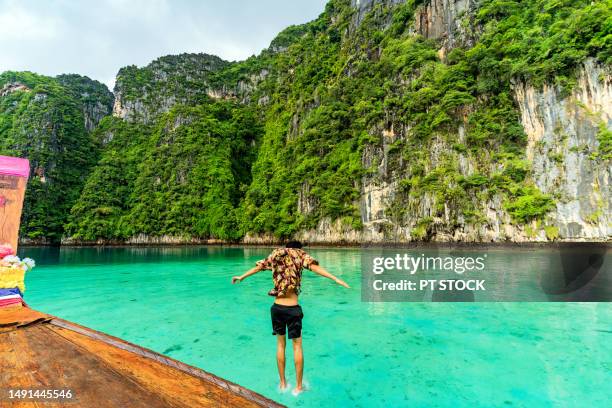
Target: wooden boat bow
<point>42,352</point>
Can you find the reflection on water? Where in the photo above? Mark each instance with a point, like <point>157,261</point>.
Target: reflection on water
<point>178,301</point>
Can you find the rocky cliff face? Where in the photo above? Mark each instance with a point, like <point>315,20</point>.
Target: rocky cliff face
<point>142,94</point>
<point>442,20</point>
<point>96,100</point>
<point>363,7</point>
<point>562,139</point>
<point>562,142</point>
<point>46,120</point>
<point>381,121</point>
<point>11,87</point>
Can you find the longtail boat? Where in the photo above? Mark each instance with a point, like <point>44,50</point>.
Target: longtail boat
<point>42,352</point>
<point>47,361</point>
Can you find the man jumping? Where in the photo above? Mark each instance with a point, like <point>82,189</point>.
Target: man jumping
<point>287,264</point>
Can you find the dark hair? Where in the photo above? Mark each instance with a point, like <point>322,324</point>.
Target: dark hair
<point>294,244</point>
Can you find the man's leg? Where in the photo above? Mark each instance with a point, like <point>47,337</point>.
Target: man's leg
<point>280,359</point>
<point>298,357</point>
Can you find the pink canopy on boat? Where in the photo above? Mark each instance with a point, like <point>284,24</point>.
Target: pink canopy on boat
<point>14,166</point>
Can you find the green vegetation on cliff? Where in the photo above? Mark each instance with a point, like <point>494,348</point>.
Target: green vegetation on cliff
<point>277,143</point>
<point>43,120</point>
<point>337,92</point>
<point>180,177</point>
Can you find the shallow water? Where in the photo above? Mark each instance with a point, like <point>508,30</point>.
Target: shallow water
<point>178,301</point>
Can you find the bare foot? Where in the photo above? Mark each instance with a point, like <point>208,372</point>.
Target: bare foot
<point>283,385</point>
<point>297,390</point>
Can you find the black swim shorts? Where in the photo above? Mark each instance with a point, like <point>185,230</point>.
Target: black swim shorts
<point>287,318</point>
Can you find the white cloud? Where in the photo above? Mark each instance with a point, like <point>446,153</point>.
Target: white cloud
<point>18,23</point>
<point>96,38</point>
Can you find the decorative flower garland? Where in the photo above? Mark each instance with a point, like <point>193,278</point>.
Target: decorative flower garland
<point>10,260</point>
<point>13,261</point>
<point>13,269</point>
<point>6,250</point>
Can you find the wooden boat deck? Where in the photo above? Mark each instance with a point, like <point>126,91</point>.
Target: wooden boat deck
<point>42,352</point>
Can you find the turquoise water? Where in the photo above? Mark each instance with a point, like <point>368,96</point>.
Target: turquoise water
<point>178,301</point>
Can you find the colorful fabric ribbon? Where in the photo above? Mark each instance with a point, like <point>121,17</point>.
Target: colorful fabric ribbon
<point>11,297</point>
<point>12,277</point>
<point>10,291</point>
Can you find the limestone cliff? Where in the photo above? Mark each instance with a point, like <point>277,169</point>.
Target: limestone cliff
<point>142,94</point>
<point>448,21</point>
<point>380,121</point>
<point>96,100</point>
<point>562,139</point>
<point>562,144</point>
<point>48,120</point>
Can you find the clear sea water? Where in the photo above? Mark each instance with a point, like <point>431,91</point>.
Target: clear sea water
<point>179,302</point>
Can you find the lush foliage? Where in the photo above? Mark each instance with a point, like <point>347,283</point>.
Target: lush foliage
<point>43,120</point>
<point>336,92</point>
<point>185,78</point>
<point>92,94</point>
<point>604,136</point>
<point>294,133</point>
<point>181,177</point>
<point>539,40</point>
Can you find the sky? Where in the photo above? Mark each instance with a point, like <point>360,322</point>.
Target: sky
<point>96,38</point>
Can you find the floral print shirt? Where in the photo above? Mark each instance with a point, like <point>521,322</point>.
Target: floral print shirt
<point>286,265</point>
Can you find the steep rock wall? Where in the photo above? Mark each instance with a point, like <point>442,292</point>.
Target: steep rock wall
<point>363,7</point>
<point>562,137</point>
<point>143,94</point>
<point>441,19</point>
<point>562,130</point>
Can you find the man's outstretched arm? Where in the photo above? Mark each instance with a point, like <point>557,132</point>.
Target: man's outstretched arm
<point>320,271</point>
<point>248,273</point>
